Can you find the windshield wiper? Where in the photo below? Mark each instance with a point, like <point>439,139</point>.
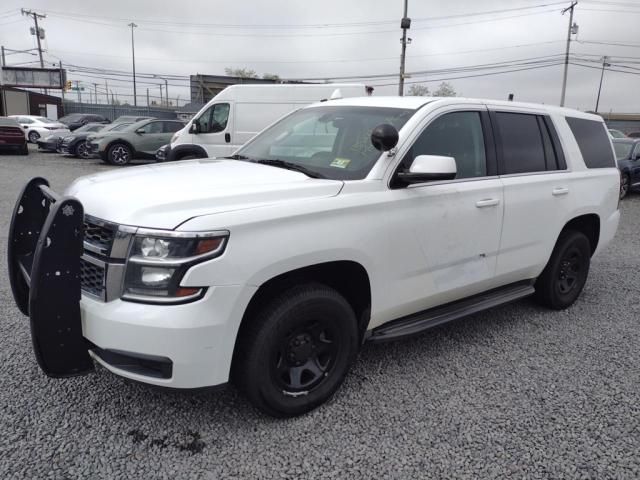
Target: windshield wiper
<point>237,156</point>
<point>289,166</point>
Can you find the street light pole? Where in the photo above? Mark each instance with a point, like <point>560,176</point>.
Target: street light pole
<point>566,55</point>
<point>405,24</point>
<point>604,64</point>
<point>133,56</point>
<point>166,91</point>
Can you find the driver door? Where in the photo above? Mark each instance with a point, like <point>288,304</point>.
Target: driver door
<point>215,126</point>
<point>458,222</point>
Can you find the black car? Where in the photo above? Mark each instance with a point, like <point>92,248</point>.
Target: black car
<point>75,142</point>
<point>628,156</point>
<point>77,120</point>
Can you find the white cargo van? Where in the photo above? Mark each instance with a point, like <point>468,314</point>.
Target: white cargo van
<point>239,112</point>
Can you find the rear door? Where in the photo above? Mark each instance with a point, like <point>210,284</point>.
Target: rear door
<point>537,192</point>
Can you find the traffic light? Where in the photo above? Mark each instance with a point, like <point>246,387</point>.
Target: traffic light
<point>67,86</point>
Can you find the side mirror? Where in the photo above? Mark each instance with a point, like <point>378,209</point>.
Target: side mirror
<point>426,168</point>
<point>140,131</point>
<point>384,137</point>
<point>195,127</point>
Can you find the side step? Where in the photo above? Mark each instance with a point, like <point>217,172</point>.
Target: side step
<point>421,321</point>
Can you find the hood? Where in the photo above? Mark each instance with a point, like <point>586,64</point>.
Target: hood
<point>164,196</point>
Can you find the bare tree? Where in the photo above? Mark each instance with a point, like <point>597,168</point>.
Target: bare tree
<point>240,72</point>
<point>445,89</point>
<point>418,90</point>
<point>271,76</point>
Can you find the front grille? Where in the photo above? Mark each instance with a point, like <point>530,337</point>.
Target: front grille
<point>92,278</point>
<point>99,236</point>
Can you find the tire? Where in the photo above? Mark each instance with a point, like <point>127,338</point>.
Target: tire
<point>296,351</point>
<point>625,184</point>
<point>119,154</point>
<point>33,136</point>
<point>565,275</point>
<point>82,150</point>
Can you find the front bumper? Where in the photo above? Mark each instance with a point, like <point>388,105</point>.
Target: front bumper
<point>181,346</point>
<point>50,145</point>
<point>163,153</point>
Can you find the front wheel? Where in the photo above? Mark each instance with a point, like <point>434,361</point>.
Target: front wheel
<point>564,277</point>
<point>119,154</point>
<point>82,150</point>
<point>296,351</point>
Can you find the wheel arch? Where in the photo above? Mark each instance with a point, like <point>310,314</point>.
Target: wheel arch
<point>589,224</point>
<point>183,150</point>
<point>347,277</point>
<point>123,141</point>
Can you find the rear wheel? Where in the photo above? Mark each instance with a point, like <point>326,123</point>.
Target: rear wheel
<point>34,136</point>
<point>625,183</point>
<point>119,154</point>
<point>565,275</point>
<point>296,351</point>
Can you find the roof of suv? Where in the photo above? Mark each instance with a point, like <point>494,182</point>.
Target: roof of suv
<point>417,102</point>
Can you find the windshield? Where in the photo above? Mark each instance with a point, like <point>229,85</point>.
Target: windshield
<point>334,142</point>
<point>116,127</point>
<point>71,118</point>
<point>623,150</point>
<point>89,127</point>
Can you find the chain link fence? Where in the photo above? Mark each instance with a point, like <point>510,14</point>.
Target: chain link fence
<point>114,111</point>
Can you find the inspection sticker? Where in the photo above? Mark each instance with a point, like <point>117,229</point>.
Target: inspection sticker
<point>340,163</point>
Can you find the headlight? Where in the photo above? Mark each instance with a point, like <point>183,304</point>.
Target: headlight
<point>175,137</point>
<point>67,139</point>
<point>158,261</point>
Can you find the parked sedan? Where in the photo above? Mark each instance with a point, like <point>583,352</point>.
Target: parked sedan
<point>616,133</point>
<point>36,127</point>
<point>138,140</point>
<point>628,156</point>
<point>75,143</point>
<point>12,136</point>
<point>77,120</point>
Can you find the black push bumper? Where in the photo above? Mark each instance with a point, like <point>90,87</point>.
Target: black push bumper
<point>45,246</point>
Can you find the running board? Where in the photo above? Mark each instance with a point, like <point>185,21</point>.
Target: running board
<point>419,322</point>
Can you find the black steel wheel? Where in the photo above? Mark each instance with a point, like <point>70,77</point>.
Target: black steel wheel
<point>295,352</point>
<point>564,277</point>
<point>119,154</point>
<point>625,184</point>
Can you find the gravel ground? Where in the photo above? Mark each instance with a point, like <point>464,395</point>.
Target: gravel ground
<point>517,392</point>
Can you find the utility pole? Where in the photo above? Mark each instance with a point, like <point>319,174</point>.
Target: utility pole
<point>133,56</point>
<point>4,61</point>
<point>79,94</point>
<point>166,91</point>
<point>106,90</point>
<point>570,30</point>
<point>160,94</point>
<point>35,17</point>
<point>64,83</point>
<point>147,98</point>
<point>95,92</point>
<point>405,24</point>
<point>604,64</point>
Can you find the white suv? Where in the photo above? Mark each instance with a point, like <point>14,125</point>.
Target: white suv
<point>347,221</point>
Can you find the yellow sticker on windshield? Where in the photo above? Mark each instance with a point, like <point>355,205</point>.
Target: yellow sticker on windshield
<point>340,163</point>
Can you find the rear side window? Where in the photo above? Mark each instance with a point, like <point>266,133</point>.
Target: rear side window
<point>171,127</point>
<point>523,147</point>
<point>594,142</point>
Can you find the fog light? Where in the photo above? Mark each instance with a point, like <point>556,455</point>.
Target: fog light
<point>156,277</point>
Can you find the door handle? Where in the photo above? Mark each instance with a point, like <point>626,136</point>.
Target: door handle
<point>560,191</point>
<point>487,202</point>
<point>227,137</point>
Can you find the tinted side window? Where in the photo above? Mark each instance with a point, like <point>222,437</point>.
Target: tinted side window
<point>153,127</point>
<point>522,145</point>
<point>594,142</point>
<point>458,135</point>
<point>172,127</point>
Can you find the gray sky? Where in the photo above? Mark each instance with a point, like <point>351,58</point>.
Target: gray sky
<point>285,37</point>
